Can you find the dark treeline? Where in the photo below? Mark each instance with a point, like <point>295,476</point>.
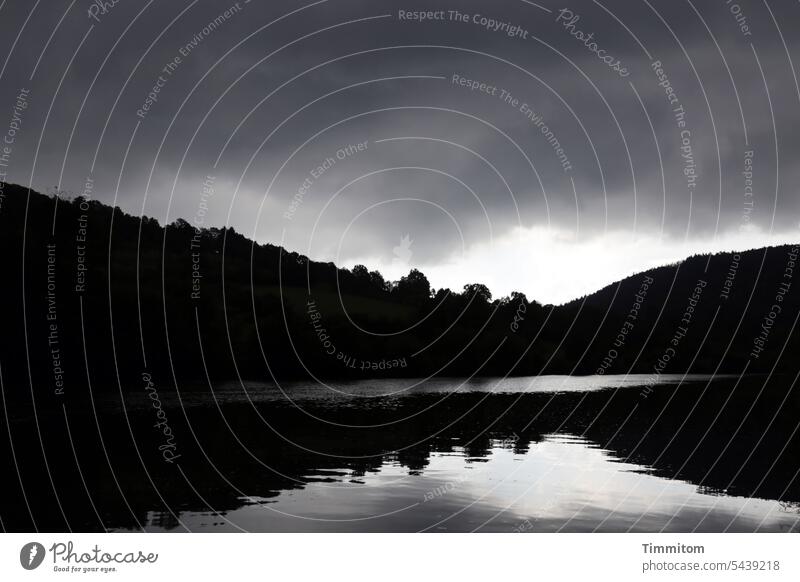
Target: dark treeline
<point>88,287</point>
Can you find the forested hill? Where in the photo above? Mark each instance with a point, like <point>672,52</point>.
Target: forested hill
<point>88,287</point>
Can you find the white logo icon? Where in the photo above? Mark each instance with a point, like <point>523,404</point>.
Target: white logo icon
<point>402,252</point>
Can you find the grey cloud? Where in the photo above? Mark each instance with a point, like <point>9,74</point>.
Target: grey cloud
<point>605,192</point>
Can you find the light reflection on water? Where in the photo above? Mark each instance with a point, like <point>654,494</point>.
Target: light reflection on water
<point>561,483</point>
<point>523,454</point>
<point>336,392</point>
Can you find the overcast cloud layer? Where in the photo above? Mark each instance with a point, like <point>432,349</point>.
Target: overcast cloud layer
<point>560,174</point>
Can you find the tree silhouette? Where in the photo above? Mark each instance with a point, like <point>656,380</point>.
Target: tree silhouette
<point>479,291</point>
<point>189,304</point>
<point>414,287</point>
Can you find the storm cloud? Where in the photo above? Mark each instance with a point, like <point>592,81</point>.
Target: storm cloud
<point>347,130</point>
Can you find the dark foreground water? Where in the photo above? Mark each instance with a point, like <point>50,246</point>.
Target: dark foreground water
<point>526,454</point>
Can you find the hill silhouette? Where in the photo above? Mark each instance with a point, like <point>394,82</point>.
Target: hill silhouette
<point>94,296</point>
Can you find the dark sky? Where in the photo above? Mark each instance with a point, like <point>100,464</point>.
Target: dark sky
<point>262,95</point>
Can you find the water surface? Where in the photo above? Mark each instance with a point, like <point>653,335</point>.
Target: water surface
<point>501,455</point>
